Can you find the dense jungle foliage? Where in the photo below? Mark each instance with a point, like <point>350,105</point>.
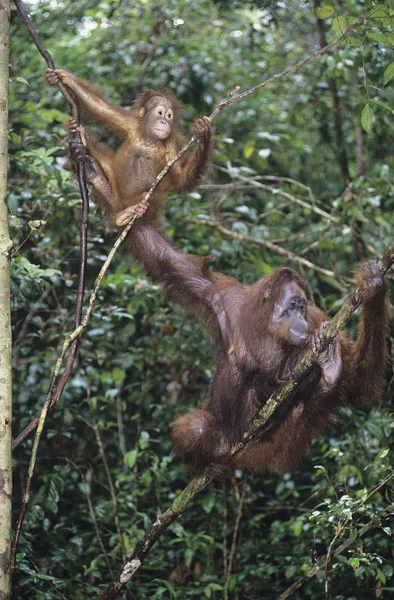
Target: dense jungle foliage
<point>306,163</point>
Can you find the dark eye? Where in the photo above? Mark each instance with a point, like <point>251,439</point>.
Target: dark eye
<point>169,116</point>
<point>293,304</point>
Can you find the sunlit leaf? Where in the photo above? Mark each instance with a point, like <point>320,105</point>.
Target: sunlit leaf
<point>323,12</point>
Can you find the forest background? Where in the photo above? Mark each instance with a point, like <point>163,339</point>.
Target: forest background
<point>306,164</point>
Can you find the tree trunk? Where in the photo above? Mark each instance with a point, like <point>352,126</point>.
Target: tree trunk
<point>338,123</point>
<point>5,320</point>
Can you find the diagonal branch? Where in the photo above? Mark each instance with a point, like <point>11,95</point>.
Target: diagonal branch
<point>39,421</point>
<point>279,192</point>
<point>270,246</point>
<point>261,419</point>
<point>298,374</point>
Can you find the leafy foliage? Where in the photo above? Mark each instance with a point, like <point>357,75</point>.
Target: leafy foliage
<point>141,362</point>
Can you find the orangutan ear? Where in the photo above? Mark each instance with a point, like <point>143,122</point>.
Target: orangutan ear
<point>142,111</point>
<point>267,293</point>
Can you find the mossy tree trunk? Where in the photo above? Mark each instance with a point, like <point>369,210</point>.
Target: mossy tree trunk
<point>5,321</point>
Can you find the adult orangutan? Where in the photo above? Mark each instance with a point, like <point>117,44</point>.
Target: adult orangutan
<point>151,137</point>
<point>259,333</point>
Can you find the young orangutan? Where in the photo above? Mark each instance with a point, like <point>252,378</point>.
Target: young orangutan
<point>151,137</point>
<point>259,333</point>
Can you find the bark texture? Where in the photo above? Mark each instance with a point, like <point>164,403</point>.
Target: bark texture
<point>5,320</point>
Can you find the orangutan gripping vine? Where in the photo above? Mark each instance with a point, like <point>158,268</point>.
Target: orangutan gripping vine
<point>259,333</point>
<point>151,137</point>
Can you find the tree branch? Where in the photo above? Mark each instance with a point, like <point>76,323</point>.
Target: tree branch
<point>270,246</point>
<point>261,419</point>
<point>279,192</point>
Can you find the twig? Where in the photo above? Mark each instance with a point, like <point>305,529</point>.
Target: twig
<point>234,542</point>
<point>312,572</point>
<point>225,527</point>
<point>119,419</point>
<point>40,420</point>
<point>280,192</point>
<point>379,486</point>
<point>297,236</point>
<point>31,313</point>
<point>327,582</point>
<point>111,486</point>
<point>84,196</point>
<point>270,246</point>
<point>230,98</point>
<point>157,529</point>
<point>85,485</point>
<point>295,67</point>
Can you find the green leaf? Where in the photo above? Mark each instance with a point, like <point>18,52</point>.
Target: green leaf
<point>144,440</point>
<point>35,224</point>
<point>382,105</point>
<point>208,502</point>
<point>338,26</point>
<point>382,454</point>
<point>118,375</point>
<point>170,589</point>
<point>381,576</point>
<point>388,73</point>
<point>130,458</point>
<point>15,221</point>
<point>354,562</point>
<point>298,527</point>
<point>323,12</point>
<point>249,148</point>
<point>378,11</point>
<point>232,583</point>
<point>189,554</point>
<point>379,37</point>
<point>367,118</point>
<point>20,80</point>
<point>353,41</point>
